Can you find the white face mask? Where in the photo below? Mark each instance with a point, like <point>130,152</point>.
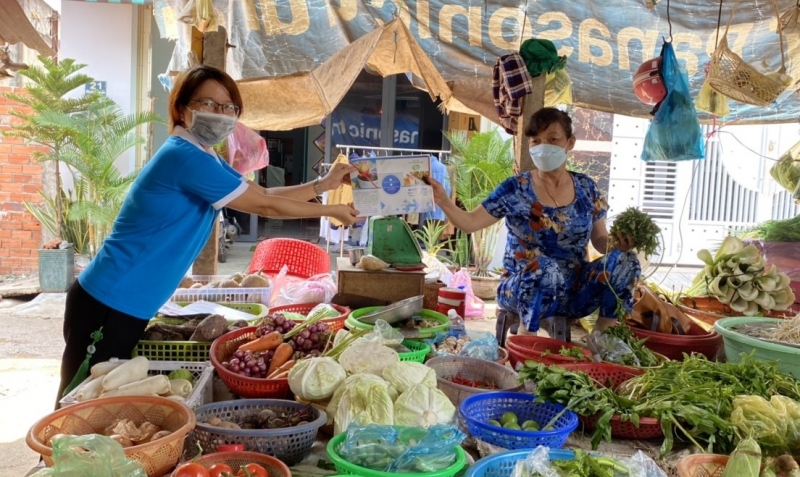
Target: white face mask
<point>211,128</point>
<point>548,157</point>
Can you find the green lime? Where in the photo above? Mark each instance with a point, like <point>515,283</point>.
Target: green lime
<point>513,425</point>
<point>548,428</point>
<point>493,422</point>
<point>508,418</point>
<point>530,425</point>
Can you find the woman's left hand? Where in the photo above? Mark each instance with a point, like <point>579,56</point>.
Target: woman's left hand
<point>623,242</point>
<point>338,175</point>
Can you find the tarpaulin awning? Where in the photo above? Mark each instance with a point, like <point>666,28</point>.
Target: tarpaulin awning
<point>15,27</point>
<point>604,41</point>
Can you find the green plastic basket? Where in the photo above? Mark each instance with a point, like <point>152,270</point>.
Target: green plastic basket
<point>257,309</point>
<point>352,322</point>
<point>419,351</point>
<point>346,468</point>
<point>788,357</point>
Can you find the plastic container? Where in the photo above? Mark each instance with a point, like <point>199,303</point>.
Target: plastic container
<point>457,326</point>
<point>419,351</point>
<point>303,259</point>
<point>290,445</point>
<point>238,459</point>
<point>674,346</point>
<point>702,465</point>
<point>223,348</point>
<point>475,369</point>
<point>221,295</point>
<point>346,468</point>
<point>335,324</point>
<point>452,299</point>
<point>788,357</point>
<point>157,458</point>
<point>352,322</point>
<point>478,409</point>
<point>202,390</point>
<point>502,464</point>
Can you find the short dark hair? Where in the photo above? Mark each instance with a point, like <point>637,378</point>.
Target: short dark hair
<point>543,118</point>
<point>190,81</point>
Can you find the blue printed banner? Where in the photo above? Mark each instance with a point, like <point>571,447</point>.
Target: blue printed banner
<point>353,128</point>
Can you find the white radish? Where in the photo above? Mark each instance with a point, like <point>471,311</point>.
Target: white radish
<point>158,384</point>
<point>101,369</point>
<point>90,390</point>
<point>129,372</point>
<point>180,387</point>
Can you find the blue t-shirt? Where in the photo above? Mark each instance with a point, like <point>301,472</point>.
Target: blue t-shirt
<point>163,225</point>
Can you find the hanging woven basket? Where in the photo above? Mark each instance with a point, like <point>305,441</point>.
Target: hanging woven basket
<point>731,76</point>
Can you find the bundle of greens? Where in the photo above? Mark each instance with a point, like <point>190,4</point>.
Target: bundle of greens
<point>582,465</point>
<point>776,231</point>
<point>738,276</point>
<point>692,399</point>
<point>641,356</point>
<point>640,227</point>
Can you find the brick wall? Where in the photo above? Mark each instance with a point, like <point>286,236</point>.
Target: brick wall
<point>20,180</point>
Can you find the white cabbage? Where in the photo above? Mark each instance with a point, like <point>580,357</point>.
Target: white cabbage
<point>403,375</point>
<point>367,357</point>
<point>362,399</point>
<point>316,379</point>
<point>422,406</point>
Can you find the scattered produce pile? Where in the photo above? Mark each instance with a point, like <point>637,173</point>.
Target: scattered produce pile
<point>127,433</point>
<point>268,419</point>
<point>193,469</point>
<point>738,276</point>
<point>692,399</point>
<point>129,378</point>
<point>640,227</point>
<point>237,280</point>
<point>583,465</point>
<point>199,328</point>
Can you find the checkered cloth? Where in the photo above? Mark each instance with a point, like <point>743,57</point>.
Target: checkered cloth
<point>511,81</point>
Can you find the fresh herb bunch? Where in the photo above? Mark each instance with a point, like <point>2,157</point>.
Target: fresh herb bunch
<point>643,230</point>
<point>645,357</point>
<point>776,231</point>
<point>586,465</point>
<point>576,353</point>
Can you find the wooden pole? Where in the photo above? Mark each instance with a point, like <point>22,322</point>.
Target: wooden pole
<point>210,48</point>
<point>531,103</point>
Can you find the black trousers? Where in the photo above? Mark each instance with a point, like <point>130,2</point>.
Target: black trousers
<point>83,316</point>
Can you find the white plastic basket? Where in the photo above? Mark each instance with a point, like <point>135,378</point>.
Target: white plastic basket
<point>221,295</point>
<point>202,372</point>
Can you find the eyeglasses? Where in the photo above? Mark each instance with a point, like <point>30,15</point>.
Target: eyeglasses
<point>208,106</point>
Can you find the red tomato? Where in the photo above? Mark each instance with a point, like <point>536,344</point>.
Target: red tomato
<point>220,470</point>
<point>255,470</point>
<point>191,469</point>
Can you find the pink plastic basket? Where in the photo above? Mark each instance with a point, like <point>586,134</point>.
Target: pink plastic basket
<point>304,259</point>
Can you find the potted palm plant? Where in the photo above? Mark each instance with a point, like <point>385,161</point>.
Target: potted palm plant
<point>484,161</point>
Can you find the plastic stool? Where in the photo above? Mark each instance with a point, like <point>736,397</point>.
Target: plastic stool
<point>558,327</point>
<point>506,322</point>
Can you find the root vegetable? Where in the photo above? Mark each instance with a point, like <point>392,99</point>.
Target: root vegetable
<point>229,284</point>
<point>255,281</point>
<point>237,277</point>
<point>265,343</point>
<point>214,421</point>
<point>123,441</point>
<point>195,286</point>
<point>211,328</point>
<point>101,369</point>
<point>91,390</point>
<point>283,369</point>
<point>228,425</point>
<point>158,384</point>
<point>129,372</point>
<point>180,387</point>
<point>283,353</point>
<point>186,282</point>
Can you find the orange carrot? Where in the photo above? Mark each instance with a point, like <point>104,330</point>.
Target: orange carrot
<point>283,375</point>
<point>265,343</point>
<point>283,369</point>
<point>283,353</point>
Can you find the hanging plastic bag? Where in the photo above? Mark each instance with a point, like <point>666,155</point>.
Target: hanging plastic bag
<point>674,134</point>
<point>474,305</point>
<point>90,455</point>
<point>247,150</point>
<point>557,89</point>
<point>408,450</point>
<point>317,289</point>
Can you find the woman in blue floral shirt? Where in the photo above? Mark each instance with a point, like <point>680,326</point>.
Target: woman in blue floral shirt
<point>551,215</point>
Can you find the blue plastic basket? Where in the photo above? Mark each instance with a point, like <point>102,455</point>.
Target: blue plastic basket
<point>502,465</point>
<point>478,409</point>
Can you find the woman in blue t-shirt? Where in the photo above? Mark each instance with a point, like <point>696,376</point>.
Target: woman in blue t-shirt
<point>166,220</point>
<point>551,215</point>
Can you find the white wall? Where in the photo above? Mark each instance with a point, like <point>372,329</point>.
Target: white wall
<point>103,37</point>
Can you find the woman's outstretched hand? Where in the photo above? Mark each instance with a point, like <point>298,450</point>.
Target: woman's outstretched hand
<point>338,175</point>
<point>623,242</point>
<point>439,194</point>
<point>345,213</point>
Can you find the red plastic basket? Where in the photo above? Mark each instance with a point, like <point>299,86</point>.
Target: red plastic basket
<point>612,374</point>
<point>223,348</point>
<point>533,347</point>
<point>304,259</point>
<point>336,323</point>
<point>673,346</point>
<point>239,459</point>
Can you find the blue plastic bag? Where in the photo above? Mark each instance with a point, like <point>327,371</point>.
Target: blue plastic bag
<point>674,134</point>
<point>482,345</point>
<point>402,450</point>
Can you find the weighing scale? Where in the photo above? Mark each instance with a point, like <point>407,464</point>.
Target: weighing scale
<point>391,240</point>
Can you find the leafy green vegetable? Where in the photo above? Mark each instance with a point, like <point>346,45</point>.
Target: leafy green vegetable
<point>573,352</point>
<point>582,465</point>
<point>776,230</point>
<point>645,357</point>
<point>643,230</point>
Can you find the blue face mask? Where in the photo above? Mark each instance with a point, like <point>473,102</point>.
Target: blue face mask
<point>547,157</point>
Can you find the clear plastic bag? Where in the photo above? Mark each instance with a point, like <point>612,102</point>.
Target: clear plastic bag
<point>674,134</point>
<point>90,455</point>
<point>247,150</point>
<point>611,349</point>
<point>474,306</point>
<point>773,423</point>
<point>406,450</point>
<point>317,289</point>
<point>482,346</point>
<point>537,463</point>
<point>384,334</point>
<point>641,465</point>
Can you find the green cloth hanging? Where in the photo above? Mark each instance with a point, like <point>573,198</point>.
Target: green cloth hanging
<point>541,57</point>
<point>83,370</point>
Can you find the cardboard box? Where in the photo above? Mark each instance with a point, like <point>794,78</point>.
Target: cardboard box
<point>388,285</point>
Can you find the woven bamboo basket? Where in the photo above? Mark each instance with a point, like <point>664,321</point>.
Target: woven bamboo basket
<point>731,76</point>
<point>702,465</point>
<point>475,369</point>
